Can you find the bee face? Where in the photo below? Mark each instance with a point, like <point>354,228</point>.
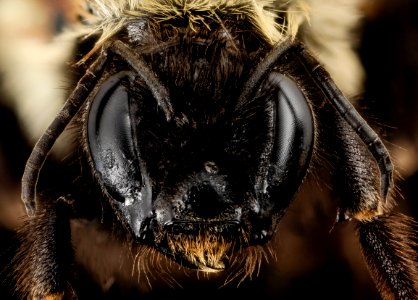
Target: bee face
<point>199,122</point>
<point>208,164</point>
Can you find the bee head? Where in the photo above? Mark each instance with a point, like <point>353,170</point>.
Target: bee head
<point>202,154</point>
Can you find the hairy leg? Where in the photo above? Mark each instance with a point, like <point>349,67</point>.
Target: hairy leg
<point>390,249</point>
<point>43,262</point>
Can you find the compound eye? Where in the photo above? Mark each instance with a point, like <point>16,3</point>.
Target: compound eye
<point>294,128</point>
<point>291,143</point>
<point>113,149</point>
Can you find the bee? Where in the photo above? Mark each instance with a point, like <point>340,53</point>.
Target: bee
<point>196,124</point>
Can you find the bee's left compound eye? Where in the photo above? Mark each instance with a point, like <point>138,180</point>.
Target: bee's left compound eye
<point>290,142</point>
<point>113,150</point>
<point>294,128</point>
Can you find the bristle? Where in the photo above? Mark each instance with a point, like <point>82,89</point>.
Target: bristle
<point>246,263</point>
<point>206,251</point>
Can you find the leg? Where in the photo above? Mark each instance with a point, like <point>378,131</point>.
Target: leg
<point>356,174</point>
<point>387,240</point>
<point>43,262</point>
<point>389,247</point>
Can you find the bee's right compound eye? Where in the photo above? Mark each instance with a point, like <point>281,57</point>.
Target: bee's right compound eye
<point>111,141</point>
<point>115,157</point>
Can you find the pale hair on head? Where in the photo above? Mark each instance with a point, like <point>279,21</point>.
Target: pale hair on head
<point>107,17</point>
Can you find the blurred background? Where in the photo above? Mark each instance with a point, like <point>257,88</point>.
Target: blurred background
<point>320,263</point>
